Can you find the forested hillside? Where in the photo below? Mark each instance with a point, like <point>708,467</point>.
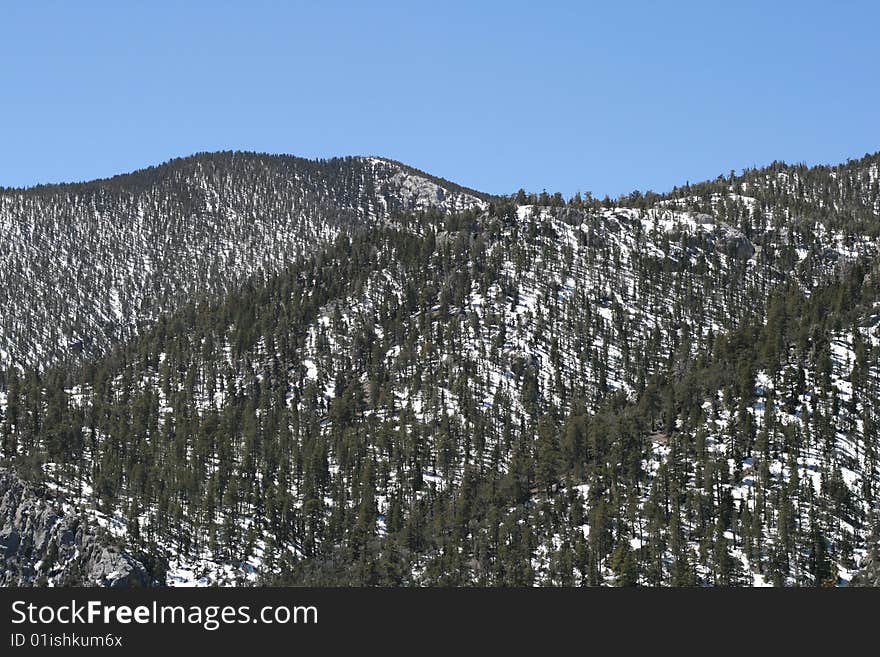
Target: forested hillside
<point>676,389</point>
<point>83,266</point>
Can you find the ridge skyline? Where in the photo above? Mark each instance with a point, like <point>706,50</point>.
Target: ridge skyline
<point>442,179</point>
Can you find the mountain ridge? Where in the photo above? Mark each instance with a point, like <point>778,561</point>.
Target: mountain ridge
<point>168,166</point>
<point>676,390</point>
<point>111,254</point>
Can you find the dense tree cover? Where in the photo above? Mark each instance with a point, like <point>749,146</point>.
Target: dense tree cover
<point>84,266</point>
<point>571,394</point>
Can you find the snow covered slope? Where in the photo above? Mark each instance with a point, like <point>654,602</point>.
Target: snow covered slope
<point>677,389</point>
<point>83,266</point>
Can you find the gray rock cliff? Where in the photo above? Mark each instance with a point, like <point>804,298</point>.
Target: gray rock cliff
<point>40,544</point>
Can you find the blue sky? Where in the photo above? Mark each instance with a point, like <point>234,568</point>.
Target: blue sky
<point>567,96</point>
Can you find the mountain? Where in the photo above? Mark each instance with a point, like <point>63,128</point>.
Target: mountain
<point>83,266</point>
<point>447,388</point>
<point>45,544</point>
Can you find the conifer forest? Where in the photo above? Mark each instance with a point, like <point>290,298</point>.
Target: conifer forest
<point>244,369</point>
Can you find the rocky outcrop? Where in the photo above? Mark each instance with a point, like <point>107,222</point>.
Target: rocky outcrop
<point>869,571</point>
<point>41,545</point>
<point>739,246</point>
<point>734,243</point>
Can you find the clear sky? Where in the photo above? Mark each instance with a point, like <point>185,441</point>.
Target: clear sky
<point>569,96</point>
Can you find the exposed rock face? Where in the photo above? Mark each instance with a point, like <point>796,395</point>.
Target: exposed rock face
<point>732,241</point>
<point>41,545</point>
<point>739,246</point>
<point>869,574</point>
